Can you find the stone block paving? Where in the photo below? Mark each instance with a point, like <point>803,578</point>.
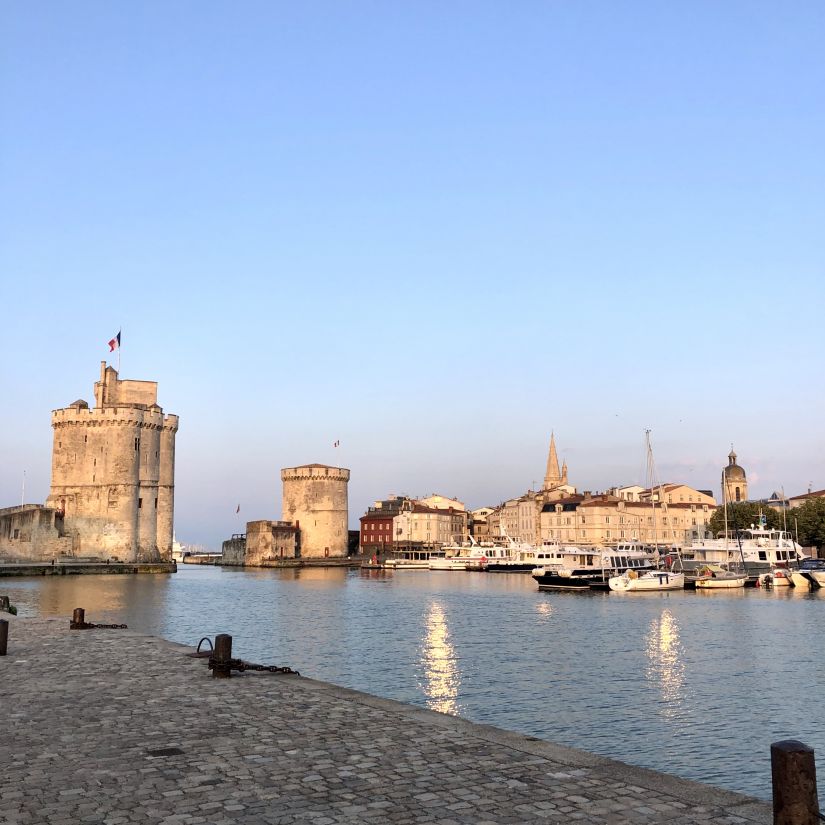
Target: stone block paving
<point>110,727</point>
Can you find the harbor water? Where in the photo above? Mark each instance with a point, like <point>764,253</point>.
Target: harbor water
<point>694,684</point>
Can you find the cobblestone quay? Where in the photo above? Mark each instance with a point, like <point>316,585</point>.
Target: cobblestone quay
<point>110,726</point>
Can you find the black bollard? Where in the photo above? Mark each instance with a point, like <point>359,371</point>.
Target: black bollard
<point>4,636</point>
<point>222,656</point>
<point>5,603</point>
<point>78,618</point>
<point>793,774</point>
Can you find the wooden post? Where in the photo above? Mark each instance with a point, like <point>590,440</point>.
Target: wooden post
<point>221,657</point>
<point>793,774</point>
<point>4,636</point>
<point>78,618</point>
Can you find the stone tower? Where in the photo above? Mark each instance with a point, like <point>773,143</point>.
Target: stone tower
<point>315,500</point>
<point>113,471</point>
<point>735,486</point>
<point>553,477</point>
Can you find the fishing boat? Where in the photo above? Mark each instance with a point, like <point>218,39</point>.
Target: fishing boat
<point>650,581</point>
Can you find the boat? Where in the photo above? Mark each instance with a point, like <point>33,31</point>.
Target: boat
<point>811,573</point>
<point>461,556</point>
<point>761,549</point>
<point>577,568</point>
<point>650,581</point>
<point>776,577</point>
<point>512,556</point>
<point>418,558</point>
<point>713,577</point>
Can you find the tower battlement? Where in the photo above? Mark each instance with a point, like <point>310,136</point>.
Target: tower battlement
<point>311,471</point>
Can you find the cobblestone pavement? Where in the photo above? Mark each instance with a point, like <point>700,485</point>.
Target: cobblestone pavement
<point>108,726</point>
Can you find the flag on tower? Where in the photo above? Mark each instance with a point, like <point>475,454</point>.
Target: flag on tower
<point>336,443</point>
<point>115,342</point>
<point>238,509</point>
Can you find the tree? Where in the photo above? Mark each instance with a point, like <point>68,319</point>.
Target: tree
<point>743,514</point>
<point>809,521</point>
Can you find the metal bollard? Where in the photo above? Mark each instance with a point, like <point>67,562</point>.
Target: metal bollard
<point>4,636</point>
<point>793,775</point>
<point>221,668</point>
<point>78,618</point>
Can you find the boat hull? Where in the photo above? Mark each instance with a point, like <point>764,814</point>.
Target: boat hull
<point>720,584</point>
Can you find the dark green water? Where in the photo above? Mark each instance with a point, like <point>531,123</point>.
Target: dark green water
<point>694,684</point>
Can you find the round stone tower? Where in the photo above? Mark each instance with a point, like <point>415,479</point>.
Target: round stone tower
<point>315,500</point>
<point>735,480</point>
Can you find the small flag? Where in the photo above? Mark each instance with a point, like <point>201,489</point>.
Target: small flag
<point>238,509</point>
<point>115,342</point>
<point>336,443</point>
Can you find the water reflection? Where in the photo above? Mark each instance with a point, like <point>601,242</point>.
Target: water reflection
<point>544,610</point>
<point>666,669</point>
<point>438,659</point>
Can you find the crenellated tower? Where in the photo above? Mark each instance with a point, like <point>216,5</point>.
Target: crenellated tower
<point>315,500</point>
<point>113,471</point>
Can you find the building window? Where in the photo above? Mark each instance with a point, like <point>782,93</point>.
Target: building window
<point>156,502</point>
<point>140,503</point>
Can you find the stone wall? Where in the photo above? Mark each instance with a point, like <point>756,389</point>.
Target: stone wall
<point>268,540</point>
<point>33,533</point>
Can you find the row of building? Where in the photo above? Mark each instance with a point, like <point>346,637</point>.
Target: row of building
<point>669,514</point>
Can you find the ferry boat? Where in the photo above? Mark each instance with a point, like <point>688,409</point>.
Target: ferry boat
<point>577,568</point>
<point>762,549</point>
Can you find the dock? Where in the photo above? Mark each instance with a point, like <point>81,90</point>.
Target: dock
<point>70,568</point>
<point>109,726</point>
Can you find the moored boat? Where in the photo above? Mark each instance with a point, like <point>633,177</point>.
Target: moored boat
<point>650,581</point>
<point>811,573</point>
<point>713,577</point>
<point>577,568</point>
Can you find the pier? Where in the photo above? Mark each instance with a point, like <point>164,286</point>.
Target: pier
<point>79,568</point>
<point>111,726</point>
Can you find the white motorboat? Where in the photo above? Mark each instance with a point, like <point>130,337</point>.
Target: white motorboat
<point>649,581</point>
<point>577,568</point>
<point>776,577</point>
<point>811,573</point>
<point>761,549</point>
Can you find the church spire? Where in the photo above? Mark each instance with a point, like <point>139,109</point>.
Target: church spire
<point>553,476</point>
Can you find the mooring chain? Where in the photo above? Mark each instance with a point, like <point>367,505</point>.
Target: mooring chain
<point>93,626</point>
<point>241,665</point>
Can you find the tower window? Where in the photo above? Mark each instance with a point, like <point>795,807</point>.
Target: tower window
<point>156,502</point>
<point>137,444</point>
<point>140,503</point>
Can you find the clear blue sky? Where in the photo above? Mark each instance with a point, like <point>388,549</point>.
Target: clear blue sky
<point>434,231</point>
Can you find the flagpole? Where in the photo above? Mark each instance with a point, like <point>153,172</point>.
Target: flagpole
<point>119,345</point>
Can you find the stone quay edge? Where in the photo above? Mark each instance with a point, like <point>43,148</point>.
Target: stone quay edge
<point>114,727</point>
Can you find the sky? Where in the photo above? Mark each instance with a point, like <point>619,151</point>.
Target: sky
<point>435,232</point>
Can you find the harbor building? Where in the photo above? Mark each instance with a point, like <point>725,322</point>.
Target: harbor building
<point>112,488</point>
<point>403,523</point>
<point>666,515</point>
<point>315,500</point>
<point>734,480</point>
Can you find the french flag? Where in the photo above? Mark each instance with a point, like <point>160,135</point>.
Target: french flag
<point>115,342</point>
